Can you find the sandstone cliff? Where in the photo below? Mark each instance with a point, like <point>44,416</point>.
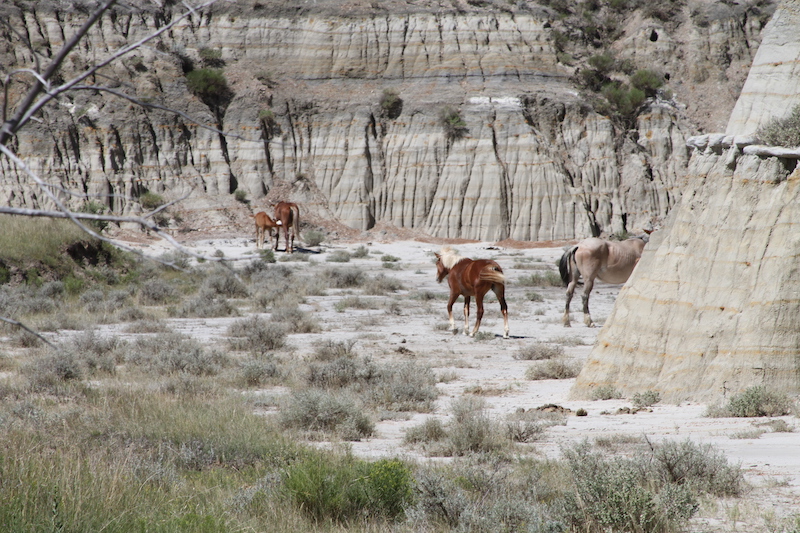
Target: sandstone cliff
<point>535,161</point>
<point>712,308</point>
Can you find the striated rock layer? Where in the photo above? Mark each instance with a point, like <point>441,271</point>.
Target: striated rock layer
<point>534,161</point>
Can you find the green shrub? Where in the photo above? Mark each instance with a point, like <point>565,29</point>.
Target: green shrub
<point>317,410</point>
<point>255,372</point>
<point>151,200</point>
<point>343,278</point>
<point>782,131</point>
<point>646,399</point>
<point>431,430</point>
<point>360,252</point>
<point>211,57</point>
<point>648,81</point>
<point>344,489</point>
<point>391,104</point>
<point>614,495</point>
<point>698,466</point>
<point>240,195</point>
<point>329,350</point>
<point>209,85</point>
<point>557,368</point>
<point>622,103</point>
<point>758,401</point>
<point>453,124</point>
<point>605,392</point>
<point>339,256</point>
<point>548,278</point>
<point>313,237</point>
<point>256,335</point>
<point>538,351</point>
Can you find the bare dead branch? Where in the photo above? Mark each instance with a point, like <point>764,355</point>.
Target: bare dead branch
<point>20,325</point>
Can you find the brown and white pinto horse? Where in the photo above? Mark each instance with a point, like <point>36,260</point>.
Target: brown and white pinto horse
<point>470,278</point>
<point>287,216</point>
<point>609,261</point>
<point>263,225</point>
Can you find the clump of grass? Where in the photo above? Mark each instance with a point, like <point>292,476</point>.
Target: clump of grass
<point>326,411</point>
<point>339,256</point>
<point>256,335</point>
<point>558,368</point>
<point>258,371</point>
<point>157,292</point>
<point>381,284</point>
<point>646,399</point>
<point>606,392</point>
<point>313,237</point>
<point>755,402</point>
<point>527,426</point>
<point>342,489</point>
<point>330,350</point>
<point>173,353</point>
<point>784,131</point>
<point>207,304</point>
<point>431,430</point>
<point>539,351</point>
<point>472,430</point>
<point>343,278</point>
<point>549,278</point>
<point>355,302</point>
<point>360,253</point>
<point>534,296</point>
<point>294,319</point>
<point>223,282</point>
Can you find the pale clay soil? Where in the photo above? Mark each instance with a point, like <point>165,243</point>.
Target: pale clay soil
<point>770,460</point>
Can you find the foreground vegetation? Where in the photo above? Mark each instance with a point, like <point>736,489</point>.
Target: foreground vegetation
<point>154,430</point>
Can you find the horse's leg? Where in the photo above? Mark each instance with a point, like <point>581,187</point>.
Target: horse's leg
<point>277,238</point>
<point>450,302</point>
<point>466,316</point>
<point>500,292</point>
<point>573,282</point>
<point>291,247</point>
<point>479,315</point>
<point>587,288</point>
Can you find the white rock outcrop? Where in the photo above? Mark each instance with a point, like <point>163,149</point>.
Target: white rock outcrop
<point>713,307</point>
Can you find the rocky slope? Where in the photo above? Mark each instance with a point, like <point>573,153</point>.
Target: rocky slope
<point>532,160</point>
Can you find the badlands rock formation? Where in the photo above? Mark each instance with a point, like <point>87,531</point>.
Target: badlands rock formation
<point>713,307</point>
<point>535,162</point>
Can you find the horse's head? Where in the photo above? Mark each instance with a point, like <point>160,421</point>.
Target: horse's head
<point>441,270</point>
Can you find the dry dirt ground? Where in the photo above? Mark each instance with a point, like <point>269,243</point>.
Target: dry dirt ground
<point>403,328</point>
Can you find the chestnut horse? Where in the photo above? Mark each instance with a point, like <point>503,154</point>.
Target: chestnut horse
<point>287,216</point>
<point>610,261</point>
<point>263,224</point>
<point>470,278</point>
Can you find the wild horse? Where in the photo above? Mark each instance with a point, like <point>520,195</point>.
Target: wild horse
<point>470,278</point>
<point>264,224</point>
<point>593,258</point>
<point>287,216</point>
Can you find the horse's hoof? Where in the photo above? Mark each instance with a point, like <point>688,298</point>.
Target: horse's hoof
<point>505,336</point>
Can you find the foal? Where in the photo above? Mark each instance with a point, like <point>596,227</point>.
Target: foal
<point>263,224</point>
<point>470,278</point>
<point>610,261</point>
<point>287,216</point>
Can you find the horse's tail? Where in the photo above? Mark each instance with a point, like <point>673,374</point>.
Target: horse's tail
<point>492,273</point>
<point>565,265</point>
<point>296,210</point>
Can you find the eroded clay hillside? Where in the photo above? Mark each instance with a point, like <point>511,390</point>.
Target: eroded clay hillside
<point>479,120</point>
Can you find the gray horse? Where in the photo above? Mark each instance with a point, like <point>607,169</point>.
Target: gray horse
<point>610,261</point>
